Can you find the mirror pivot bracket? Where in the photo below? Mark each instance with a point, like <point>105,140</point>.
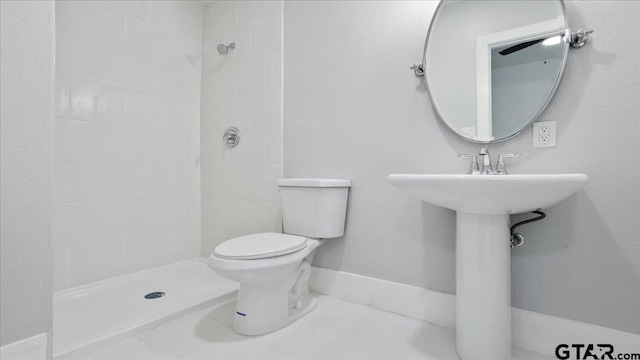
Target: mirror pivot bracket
<point>418,69</point>
<point>580,38</point>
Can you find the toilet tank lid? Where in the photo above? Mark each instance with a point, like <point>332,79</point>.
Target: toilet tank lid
<point>314,182</point>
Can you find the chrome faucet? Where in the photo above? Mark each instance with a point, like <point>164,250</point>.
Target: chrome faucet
<point>487,169</point>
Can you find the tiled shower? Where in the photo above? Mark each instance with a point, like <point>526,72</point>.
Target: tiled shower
<point>142,99</point>
<point>241,89</point>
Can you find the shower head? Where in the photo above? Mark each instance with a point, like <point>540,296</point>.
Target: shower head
<point>224,49</point>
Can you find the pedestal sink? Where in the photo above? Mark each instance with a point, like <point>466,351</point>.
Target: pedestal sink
<point>483,269</point>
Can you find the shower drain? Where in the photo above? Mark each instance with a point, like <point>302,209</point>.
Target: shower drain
<point>154,295</point>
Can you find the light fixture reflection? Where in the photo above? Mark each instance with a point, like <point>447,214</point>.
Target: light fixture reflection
<point>552,41</point>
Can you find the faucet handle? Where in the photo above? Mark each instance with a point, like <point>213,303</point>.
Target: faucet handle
<point>501,168</point>
<point>474,169</point>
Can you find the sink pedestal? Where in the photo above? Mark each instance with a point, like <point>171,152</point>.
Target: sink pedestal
<point>483,256</point>
<point>483,287</point>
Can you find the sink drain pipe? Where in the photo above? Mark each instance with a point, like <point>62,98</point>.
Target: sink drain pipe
<point>517,239</point>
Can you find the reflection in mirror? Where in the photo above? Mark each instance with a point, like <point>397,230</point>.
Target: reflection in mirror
<point>492,66</point>
<point>523,75</point>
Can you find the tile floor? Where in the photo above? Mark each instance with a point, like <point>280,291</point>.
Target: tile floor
<point>337,329</point>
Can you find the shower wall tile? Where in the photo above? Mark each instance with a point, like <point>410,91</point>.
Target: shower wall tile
<point>62,96</point>
<point>250,217</point>
<point>126,137</point>
<point>241,89</point>
<point>223,213</point>
<point>93,182</point>
<point>60,182</point>
<point>238,113</point>
<point>96,261</point>
<point>96,23</point>
<point>266,109</point>
<point>145,252</point>
<point>176,181</point>
<point>184,244</point>
<point>213,238</point>
<point>274,70</point>
<point>273,145</point>
<point>223,17</point>
<point>145,40</point>
<point>82,99</point>
<point>263,182</point>
<point>109,104</point>
<point>73,224</point>
<point>253,153</point>
<point>144,181</point>
<point>250,12</point>
<point>240,53</point>
<point>192,84</point>
<point>273,216</point>
<point>220,154</point>
<point>122,69</point>
<point>192,212</point>
<point>169,15</point>
<point>76,56</point>
<point>135,9</point>
<point>183,181</point>
<point>274,8</point>
<point>251,78</point>
<point>236,181</point>
<point>145,110</point>
<point>192,149</point>
<point>266,36</point>
<point>60,262</point>
<point>212,183</point>
<point>75,140</point>
<point>183,116</point>
<point>125,219</point>
<point>223,83</point>
<point>165,80</point>
<point>193,27</point>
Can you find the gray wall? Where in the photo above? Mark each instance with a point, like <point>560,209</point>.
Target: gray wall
<point>26,110</point>
<point>353,109</point>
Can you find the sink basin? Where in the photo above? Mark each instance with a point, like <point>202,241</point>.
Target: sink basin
<point>490,194</point>
<point>483,256</point>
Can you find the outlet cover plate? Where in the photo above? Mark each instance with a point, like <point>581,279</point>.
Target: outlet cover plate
<point>542,139</point>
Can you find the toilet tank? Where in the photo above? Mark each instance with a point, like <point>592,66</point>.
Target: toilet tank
<point>314,208</point>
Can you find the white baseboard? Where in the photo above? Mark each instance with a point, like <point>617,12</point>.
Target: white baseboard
<point>33,348</point>
<point>412,301</point>
<point>531,330</point>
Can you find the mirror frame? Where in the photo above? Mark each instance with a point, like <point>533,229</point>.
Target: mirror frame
<point>565,55</point>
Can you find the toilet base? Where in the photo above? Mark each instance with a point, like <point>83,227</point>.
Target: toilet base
<point>265,308</point>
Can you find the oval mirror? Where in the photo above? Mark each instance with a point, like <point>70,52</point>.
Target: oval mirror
<point>492,66</point>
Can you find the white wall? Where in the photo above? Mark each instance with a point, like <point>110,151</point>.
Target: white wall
<point>127,172</point>
<point>241,89</point>
<point>26,107</point>
<point>353,109</point>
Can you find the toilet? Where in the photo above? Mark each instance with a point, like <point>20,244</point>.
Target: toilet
<point>273,269</point>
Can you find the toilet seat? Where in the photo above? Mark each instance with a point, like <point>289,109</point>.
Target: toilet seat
<point>260,246</point>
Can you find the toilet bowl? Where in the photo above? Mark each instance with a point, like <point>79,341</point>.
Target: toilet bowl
<point>273,269</point>
<point>273,290</point>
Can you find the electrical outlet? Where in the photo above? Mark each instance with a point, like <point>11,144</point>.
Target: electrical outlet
<point>544,134</point>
